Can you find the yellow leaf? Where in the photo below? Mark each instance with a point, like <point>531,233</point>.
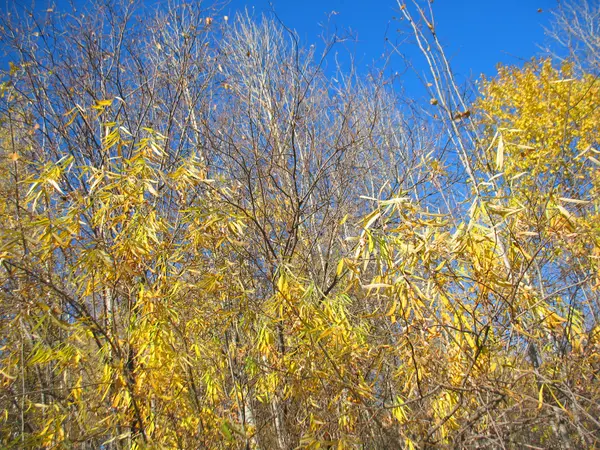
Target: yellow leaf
<point>570,217</point>
<point>574,200</point>
<point>594,160</point>
<point>151,189</point>
<point>392,309</point>
<point>55,185</point>
<point>371,218</point>
<point>376,285</point>
<point>340,267</point>
<point>4,374</point>
<point>500,153</point>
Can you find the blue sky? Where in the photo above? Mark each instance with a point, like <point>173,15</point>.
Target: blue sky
<point>478,34</point>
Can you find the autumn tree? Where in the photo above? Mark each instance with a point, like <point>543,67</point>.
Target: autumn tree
<point>209,241</point>
<point>576,31</point>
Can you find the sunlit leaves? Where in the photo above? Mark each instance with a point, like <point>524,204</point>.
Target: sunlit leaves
<point>156,299</point>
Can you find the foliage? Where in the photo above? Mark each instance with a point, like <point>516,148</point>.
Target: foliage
<point>222,263</point>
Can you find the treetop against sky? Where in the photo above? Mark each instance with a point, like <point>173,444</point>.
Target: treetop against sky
<point>478,35</point>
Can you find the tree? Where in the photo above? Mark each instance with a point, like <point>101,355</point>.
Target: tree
<point>575,29</point>
<point>130,141</point>
<point>211,242</point>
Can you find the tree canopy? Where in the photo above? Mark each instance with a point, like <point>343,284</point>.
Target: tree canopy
<point>208,241</point>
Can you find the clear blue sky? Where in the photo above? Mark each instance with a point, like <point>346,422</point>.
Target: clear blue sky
<point>478,34</point>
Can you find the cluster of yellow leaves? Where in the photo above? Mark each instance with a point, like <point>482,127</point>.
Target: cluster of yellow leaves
<point>545,125</point>
<point>104,260</point>
<point>133,318</point>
